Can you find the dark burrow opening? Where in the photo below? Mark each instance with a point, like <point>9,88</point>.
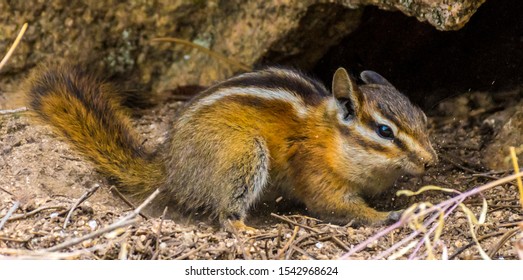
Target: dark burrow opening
<point>430,65</point>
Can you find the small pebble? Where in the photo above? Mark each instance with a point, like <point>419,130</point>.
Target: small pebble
<point>92,224</point>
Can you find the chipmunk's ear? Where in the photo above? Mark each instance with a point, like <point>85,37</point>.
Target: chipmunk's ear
<point>347,92</point>
<point>371,77</point>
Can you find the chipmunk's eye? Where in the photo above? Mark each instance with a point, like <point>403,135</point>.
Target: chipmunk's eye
<point>384,131</point>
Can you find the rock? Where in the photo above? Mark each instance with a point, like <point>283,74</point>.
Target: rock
<point>286,32</point>
<point>442,14</point>
<point>119,38</point>
<point>508,130</point>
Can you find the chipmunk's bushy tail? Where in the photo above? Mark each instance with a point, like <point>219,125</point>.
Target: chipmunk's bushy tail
<point>87,111</point>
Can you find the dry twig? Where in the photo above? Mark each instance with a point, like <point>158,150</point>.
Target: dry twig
<point>125,221</point>
<point>502,241</point>
<point>39,254</point>
<point>246,254</point>
<point>490,177</point>
<point>13,111</point>
<point>6,191</point>
<point>34,212</point>
<point>97,233</point>
<point>301,251</point>
<point>9,213</point>
<point>190,253</point>
<point>84,197</point>
<point>289,242</point>
<point>510,224</point>
<point>460,166</point>
<point>115,190</point>
<point>338,242</point>
<point>287,220</point>
<point>3,238</point>
<point>159,235</point>
<point>472,243</point>
<point>124,251</point>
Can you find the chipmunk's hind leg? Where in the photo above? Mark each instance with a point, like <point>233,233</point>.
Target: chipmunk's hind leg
<point>246,178</point>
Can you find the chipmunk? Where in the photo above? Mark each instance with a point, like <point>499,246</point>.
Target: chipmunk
<point>272,128</point>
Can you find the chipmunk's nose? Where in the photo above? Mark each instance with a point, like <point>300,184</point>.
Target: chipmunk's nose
<point>431,160</point>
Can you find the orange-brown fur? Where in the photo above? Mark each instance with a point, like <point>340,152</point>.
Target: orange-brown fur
<point>100,117</point>
<point>274,128</point>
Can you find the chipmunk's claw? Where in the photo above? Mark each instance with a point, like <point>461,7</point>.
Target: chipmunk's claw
<point>240,226</point>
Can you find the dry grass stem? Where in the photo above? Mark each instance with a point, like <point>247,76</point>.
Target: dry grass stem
<point>13,46</point>
<point>517,171</point>
<point>204,50</point>
<point>447,207</point>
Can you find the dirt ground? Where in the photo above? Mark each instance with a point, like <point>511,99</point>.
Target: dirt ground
<point>46,177</point>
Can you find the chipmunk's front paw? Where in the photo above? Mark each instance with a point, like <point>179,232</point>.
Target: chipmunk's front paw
<point>394,216</point>
<point>239,226</point>
<point>387,218</point>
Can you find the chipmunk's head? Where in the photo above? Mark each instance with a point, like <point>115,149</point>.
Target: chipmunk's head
<point>377,119</point>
